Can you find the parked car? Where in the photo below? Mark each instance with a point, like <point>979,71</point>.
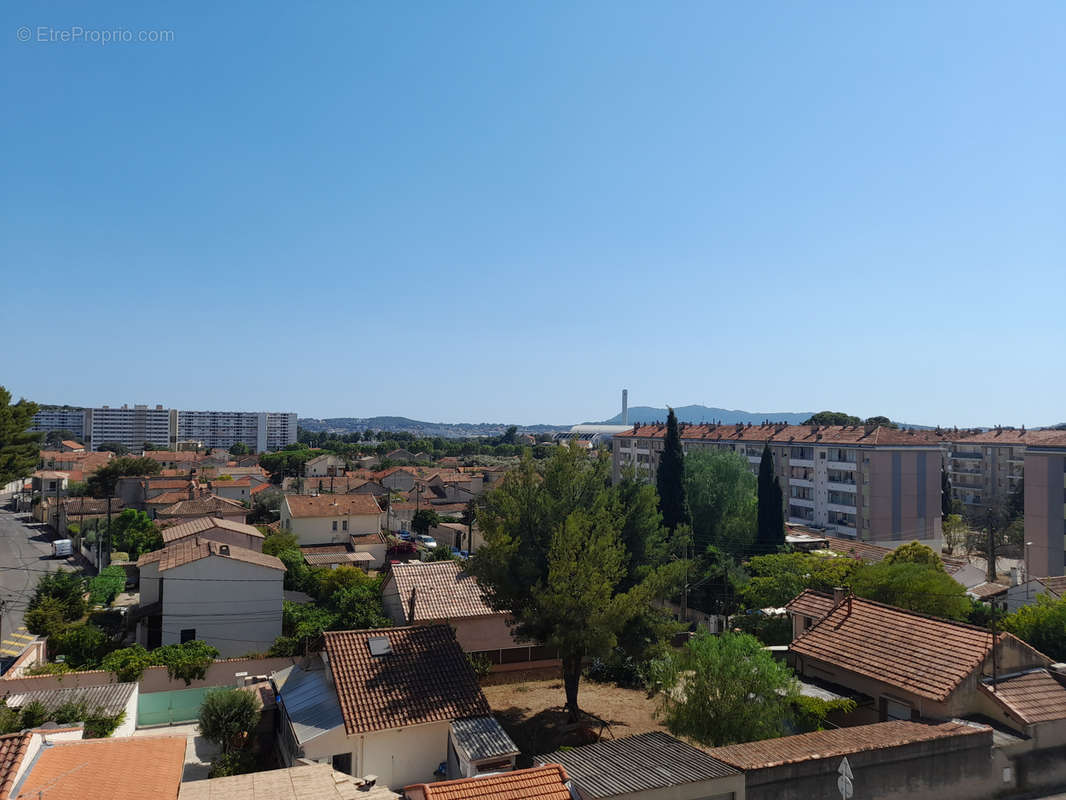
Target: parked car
<point>460,553</point>
<point>61,548</point>
<point>426,540</point>
<point>405,536</point>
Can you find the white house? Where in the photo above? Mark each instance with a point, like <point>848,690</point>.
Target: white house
<point>330,518</point>
<point>381,702</point>
<point>325,464</point>
<point>225,595</point>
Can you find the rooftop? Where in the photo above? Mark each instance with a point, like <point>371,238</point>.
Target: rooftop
<point>100,769</point>
<point>1032,697</point>
<point>837,742</point>
<point>331,505</point>
<point>326,559</point>
<point>109,699</point>
<point>839,435</point>
<point>75,506</point>
<point>190,549</point>
<point>482,738</point>
<point>923,655</point>
<point>13,749</point>
<point>539,783</point>
<point>201,507</point>
<point>441,590</point>
<point>423,677</point>
<point>203,524</point>
<point>810,603</point>
<point>310,782</point>
<point>641,763</point>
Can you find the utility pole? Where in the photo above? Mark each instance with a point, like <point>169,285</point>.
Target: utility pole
<point>991,545</point>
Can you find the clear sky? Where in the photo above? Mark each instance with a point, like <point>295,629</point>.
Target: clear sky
<point>509,211</point>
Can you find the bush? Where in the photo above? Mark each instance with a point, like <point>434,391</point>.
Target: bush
<point>238,762</point>
<point>770,630</point>
<point>82,645</point>
<point>810,713</point>
<point>106,586</point>
<point>480,664</point>
<point>33,715</point>
<point>228,716</point>
<point>49,668</point>
<point>187,661</point>
<point>100,726</point>
<point>66,587</point>
<point>47,618</point>
<point>618,668</point>
<point>128,664</point>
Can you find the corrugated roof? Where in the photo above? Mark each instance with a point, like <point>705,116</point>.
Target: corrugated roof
<point>641,763</point>
<point>838,742</point>
<point>325,559</point>
<point>310,702</point>
<point>482,738</point>
<point>1034,696</point>
<point>110,699</point>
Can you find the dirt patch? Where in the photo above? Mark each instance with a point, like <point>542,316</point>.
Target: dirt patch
<point>531,710</point>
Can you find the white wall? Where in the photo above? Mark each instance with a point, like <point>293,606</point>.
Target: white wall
<point>129,722</point>
<point>232,605</point>
<point>319,530</point>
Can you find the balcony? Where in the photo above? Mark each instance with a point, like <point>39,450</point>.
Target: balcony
<point>802,502</point>
<point>968,456</point>
<point>801,462</point>
<point>845,530</point>
<point>843,466</point>
<point>838,508</point>
<point>803,482</point>
<point>960,471</point>
<point>842,487</point>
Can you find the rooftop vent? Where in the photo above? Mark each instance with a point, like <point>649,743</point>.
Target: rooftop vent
<point>223,549</point>
<point>379,646</point>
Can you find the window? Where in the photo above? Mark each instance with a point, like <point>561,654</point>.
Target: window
<point>342,762</point>
<point>334,524</point>
<point>187,634</point>
<point>344,525</point>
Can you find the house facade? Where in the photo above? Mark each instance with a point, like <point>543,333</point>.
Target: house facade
<point>330,519</point>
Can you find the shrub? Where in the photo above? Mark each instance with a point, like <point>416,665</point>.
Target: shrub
<point>66,587</point>
<point>100,726</point>
<point>47,618</point>
<point>82,645</point>
<point>33,715</point>
<point>49,668</point>
<point>238,762</point>
<point>106,586</point>
<point>128,664</point>
<point>481,665</point>
<point>810,713</point>
<point>187,661</point>
<point>228,716</point>
<point>617,668</point>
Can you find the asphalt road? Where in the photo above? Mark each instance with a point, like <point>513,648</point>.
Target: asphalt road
<point>25,553</point>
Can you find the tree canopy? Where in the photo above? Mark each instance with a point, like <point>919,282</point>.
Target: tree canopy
<point>18,447</point>
<point>670,477</point>
<point>102,482</point>
<point>1043,625</point>
<point>721,497</point>
<point>916,586</point>
<point>770,528</point>
<point>133,532</point>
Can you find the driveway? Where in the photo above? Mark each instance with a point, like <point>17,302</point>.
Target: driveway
<point>25,555</point>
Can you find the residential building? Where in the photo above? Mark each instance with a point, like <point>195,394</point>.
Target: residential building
<point>304,782</point>
<point>131,427</point>
<point>869,483</point>
<point>130,768</point>
<point>71,446</point>
<point>1045,504</point>
<point>109,700</point>
<point>904,665</point>
<point>225,595</point>
<point>216,529</point>
<point>239,489</point>
<point>60,419</point>
<point>86,513</point>
<point>986,466</point>
<point>379,702</point>
<point>202,506</point>
<point>1026,592</point>
<point>326,464</point>
<point>260,430</point>
<point>330,518</point>
<point>648,766</point>
<point>548,782</point>
<point>883,761</point>
<point>438,592</point>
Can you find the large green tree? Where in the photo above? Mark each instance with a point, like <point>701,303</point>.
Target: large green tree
<point>916,586</point>
<point>778,577</point>
<point>1043,625</point>
<point>228,717</point>
<point>555,559</point>
<point>102,482</point>
<point>133,532</point>
<point>721,498</point>
<point>670,478</point>
<point>18,447</point>
<point>725,689</point>
<point>770,530</point>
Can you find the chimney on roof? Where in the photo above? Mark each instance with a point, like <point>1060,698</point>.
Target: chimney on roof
<point>411,605</point>
<point>869,428</point>
<point>223,549</point>
<point>839,593</point>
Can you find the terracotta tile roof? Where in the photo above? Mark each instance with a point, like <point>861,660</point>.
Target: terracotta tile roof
<point>331,505</point>
<point>72,444</point>
<point>179,457</point>
<point>201,506</point>
<point>325,548</point>
<point>538,783</point>
<point>201,524</point>
<point>828,435</point>
<point>239,482</point>
<point>863,551</point>
<point>985,590</point>
<point>261,488</point>
<point>1055,585</point>
<point>13,748</point>
<point>1034,696</point>
<point>168,498</point>
<point>837,742</point>
<point>308,782</point>
<point>327,559</point>
<point>425,678</point>
<point>73,506</point>
<point>106,769</point>
<point>441,591</point>
<point>925,656</point>
<point>810,603</point>
<point>1003,436</point>
<point>185,551</point>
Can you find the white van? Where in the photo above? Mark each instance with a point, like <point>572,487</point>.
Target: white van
<point>62,548</point>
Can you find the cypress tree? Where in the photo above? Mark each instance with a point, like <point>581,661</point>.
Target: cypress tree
<point>670,479</point>
<point>945,492</point>
<point>770,531</point>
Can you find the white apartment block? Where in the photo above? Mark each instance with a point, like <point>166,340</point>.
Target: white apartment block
<point>260,430</point>
<point>60,419</point>
<point>131,427</point>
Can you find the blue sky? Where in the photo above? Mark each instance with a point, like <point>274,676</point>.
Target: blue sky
<point>508,212</point>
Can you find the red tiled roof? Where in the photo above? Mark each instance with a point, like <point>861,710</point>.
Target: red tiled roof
<point>261,488</point>
<point>794,434</point>
<point>168,498</point>
<point>837,742</point>
<point>985,590</point>
<point>925,656</point>
<point>810,603</point>
<point>331,505</point>
<point>538,783</point>
<point>185,551</point>
<point>1035,696</point>
<point>201,506</point>
<point>425,678</point>
<point>13,748</point>
<point>107,769</point>
<point>1055,585</point>
<point>441,591</point>
<point>75,506</point>
<point>202,524</point>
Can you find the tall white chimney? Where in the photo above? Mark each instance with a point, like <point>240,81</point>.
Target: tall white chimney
<point>625,406</point>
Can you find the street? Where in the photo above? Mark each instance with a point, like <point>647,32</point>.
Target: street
<point>25,553</point>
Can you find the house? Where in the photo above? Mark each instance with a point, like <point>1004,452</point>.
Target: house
<point>906,665</point>
<point>400,479</point>
<point>335,555</point>
<point>216,529</point>
<point>204,506</point>
<point>995,594</point>
<point>70,446</point>
<point>109,700</point>
<point>548,782</point>
<point>379,702</point>
<point>325,464</point>
<point>50,482</point>
<point>130,768</point>
<point>1026,592</point>
<point>456,534</point>
<point>85,512</point>
<point>807,608</point>
<point>239,489</point>
<point>225,595</point>
<point>400,454</point>
<point>879,761</point>
<point>960,569</point>
<point>305,782</point>
<point>649,766</point>
<point>429,593</point>
<point>329,518</point>
<point>138,491</point>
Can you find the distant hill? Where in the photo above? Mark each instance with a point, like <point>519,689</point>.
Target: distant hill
<point>445,430</point>
<point>697,414</point>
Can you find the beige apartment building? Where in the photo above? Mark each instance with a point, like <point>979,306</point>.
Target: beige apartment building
<point>986,467</point>
<point>1045,503</point>
<point>870,483</point>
